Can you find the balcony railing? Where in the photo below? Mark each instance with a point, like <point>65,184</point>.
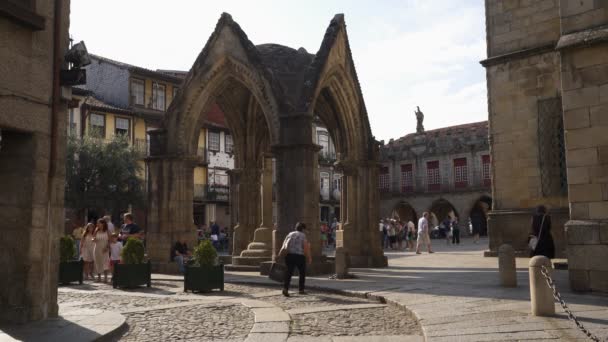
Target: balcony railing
<point>327,158</point>
<point>211,193</point>
<point>420,186</point>
<point>142,147</point>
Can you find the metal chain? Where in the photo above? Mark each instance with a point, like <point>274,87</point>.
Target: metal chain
<point>558,297</point>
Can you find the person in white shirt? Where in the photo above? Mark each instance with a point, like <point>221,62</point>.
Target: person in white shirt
<point>115,249</point>
<point>423,233</point>
<point>108,219</point>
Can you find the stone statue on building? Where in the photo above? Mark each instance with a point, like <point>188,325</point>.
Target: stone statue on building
<point>419,119</point>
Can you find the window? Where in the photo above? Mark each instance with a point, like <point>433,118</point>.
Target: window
<point>551,147</point>
<point>228,141</point>
<point>383,179</point>
<point>433,180</point>
<point>324,182</point>
<point>485,170</point>
<point>122,126</point>
<point>72,127</point>
<point>323,140</point>
<point>337,182</point>
<point>407,178</point>
<point>214,141</point>
<point>158,96</point>
<point>137,92</point>
<point>461,173</point>
<point>97,125</point>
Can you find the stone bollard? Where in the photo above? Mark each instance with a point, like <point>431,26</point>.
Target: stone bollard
<point>541,295</point>
<point>341,263</point>
<point>506,266</point>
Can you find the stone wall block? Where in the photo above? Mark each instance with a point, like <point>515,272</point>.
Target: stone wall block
<point>584,193</point>
<point>588,257</point>
<point>598,210</point>
<point>579,279</point>
<point>579,211</point>
<point>582,157</point>
<point>598,280</point>
<point>583,97</point>
<point>603,229</point>
<point>582,233</point>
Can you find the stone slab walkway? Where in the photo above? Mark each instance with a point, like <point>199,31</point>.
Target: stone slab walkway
<point>74,324</point>
<point>455,295</point>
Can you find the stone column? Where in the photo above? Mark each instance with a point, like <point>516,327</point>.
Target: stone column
<point>170,194</point>
<point>360,221</point>
<point>260,249</point>
<point>298,193</point>
<point>248,204</point>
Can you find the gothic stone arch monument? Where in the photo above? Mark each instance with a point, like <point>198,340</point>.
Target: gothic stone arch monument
<point>270,94</point>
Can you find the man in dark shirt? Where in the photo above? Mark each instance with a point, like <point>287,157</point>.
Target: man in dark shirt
<point>130,229</point>
<point>215,235</point>
<point>179,253</point>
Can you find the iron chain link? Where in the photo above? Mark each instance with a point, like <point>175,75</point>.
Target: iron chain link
<point>558,297</point>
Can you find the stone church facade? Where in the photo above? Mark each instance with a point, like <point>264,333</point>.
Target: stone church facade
<point>440,171</point>
<point>547,76</point>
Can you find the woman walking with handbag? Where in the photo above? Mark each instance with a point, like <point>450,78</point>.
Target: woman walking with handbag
<point>541,241</point>
<point>297,253</point>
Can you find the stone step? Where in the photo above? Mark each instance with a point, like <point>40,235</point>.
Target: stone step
<point>241,268</point>
<point>225,259</point>
<point>258,246</point>
<point>249,261</point>
<point>256,253</point>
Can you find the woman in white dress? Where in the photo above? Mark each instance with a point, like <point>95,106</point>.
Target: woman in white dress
<point>87,250</point>
<point>102,250</point>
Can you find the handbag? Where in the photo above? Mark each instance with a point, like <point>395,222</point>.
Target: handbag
<point>533,242</point>
<point>277,272</point>
<point>283,251</point>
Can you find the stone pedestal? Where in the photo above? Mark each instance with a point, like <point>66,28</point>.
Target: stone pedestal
<point>587,255</point>
<point>258,251</point>
<point>512,227</point>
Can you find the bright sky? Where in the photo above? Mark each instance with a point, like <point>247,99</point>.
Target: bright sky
<point>407,53</point>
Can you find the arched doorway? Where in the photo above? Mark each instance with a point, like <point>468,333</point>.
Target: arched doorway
<point>441,210</point>
<point>404,212</point>
<point>479,215</point>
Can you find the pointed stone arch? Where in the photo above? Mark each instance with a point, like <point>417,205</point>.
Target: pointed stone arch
<point>269,94</point>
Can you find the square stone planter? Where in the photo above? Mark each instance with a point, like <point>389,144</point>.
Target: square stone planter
<point>132,275</point>
<point>204,278</point>
<point>70,272</point>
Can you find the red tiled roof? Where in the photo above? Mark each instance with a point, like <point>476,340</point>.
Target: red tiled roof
<point>215,117</point>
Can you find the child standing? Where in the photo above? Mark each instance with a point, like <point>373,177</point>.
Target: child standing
<point>115,249</point>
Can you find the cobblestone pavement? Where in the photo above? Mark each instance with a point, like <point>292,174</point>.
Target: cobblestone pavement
<point>369,322</point>
<point>240,313</point>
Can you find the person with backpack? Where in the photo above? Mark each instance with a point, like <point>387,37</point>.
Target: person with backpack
<point>540,240</point>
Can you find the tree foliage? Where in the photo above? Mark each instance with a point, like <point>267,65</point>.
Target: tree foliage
<point>102,174</point>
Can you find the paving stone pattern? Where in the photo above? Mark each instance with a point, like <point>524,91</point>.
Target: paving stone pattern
<point>240,313</point>
<point>190,323</point>
<point>369,322</point>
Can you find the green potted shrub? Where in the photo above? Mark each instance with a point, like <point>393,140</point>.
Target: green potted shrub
<point>204,272</point>
<point>70,269</point>
<point>133,270</point>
